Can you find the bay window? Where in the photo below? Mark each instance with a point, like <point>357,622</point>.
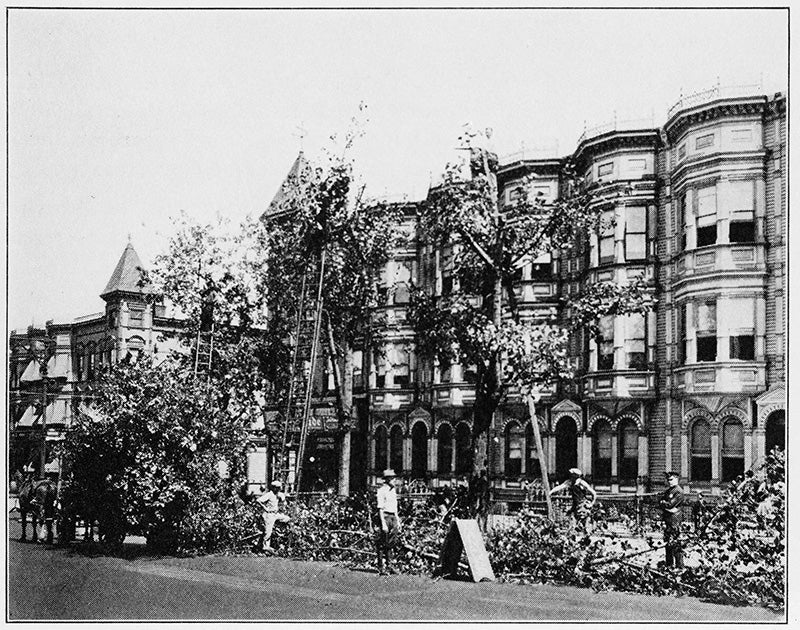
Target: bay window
<point>635,342</point>
<point>740,316</point>
<point>742,228</point>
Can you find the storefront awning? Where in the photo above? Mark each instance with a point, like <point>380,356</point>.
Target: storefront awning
<point>59,366</point>
<point>29,418</point>
<point>31,373</point>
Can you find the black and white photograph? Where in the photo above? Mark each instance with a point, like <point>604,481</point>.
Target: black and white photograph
<point>397,314</point>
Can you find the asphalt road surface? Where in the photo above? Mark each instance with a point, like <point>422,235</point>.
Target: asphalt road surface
<point>48,583</point>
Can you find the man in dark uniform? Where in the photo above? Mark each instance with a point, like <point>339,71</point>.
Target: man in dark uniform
<point>670,504</point>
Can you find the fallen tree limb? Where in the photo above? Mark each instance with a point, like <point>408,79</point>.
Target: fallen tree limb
<point>353,549</point>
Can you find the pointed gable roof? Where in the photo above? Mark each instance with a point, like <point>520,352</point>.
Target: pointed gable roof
<point>299,167</point>
<point>126,275</point>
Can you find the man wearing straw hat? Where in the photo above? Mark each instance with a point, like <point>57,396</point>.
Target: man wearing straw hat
<point>390,521</point>
<point>269,502</point>
<point>583,497</point>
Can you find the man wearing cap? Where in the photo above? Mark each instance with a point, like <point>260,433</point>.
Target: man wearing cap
<point>269,502</point>
<point>670,504</point>
<point>390,521</point>
<point>583,497</point>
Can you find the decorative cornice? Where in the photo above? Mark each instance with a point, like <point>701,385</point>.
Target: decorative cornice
<point>720,108</point>
<point>642,138</point>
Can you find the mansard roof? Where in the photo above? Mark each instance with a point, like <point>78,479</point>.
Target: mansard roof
<point>127,275</point>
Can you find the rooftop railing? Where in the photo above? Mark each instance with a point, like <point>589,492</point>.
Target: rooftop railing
<point>530,153</point>
<point>617,125</point>
<point>713,93</point>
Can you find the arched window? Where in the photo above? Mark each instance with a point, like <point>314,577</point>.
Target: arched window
<point>775,431</point>
<point>732,449</point>
<point>514,437</point>
<point>628,450</point>
<point>396,449</point>
<point>532,465</point>
<point>700,451</point>
<point>380,449</point>
<point>419,450</point>
<point>463,449</point>
<point>444,455</point>
<point>602,451</point>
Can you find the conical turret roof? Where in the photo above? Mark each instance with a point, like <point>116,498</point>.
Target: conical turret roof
<point>127,275</point>
<point>299,167</point>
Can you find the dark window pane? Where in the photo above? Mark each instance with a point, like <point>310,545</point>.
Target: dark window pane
<point>445,449</point>
<point>742,232</point>
<point>732,467</point>
<point>701,469</point>
<point>707,235</point>
<point>706,348</point>
<point>743,347</point>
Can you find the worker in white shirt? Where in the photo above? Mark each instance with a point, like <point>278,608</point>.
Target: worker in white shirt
<point>390,521</point>
<point>269,502</point>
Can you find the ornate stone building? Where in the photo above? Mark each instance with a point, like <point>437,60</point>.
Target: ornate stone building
<point>697,386</point>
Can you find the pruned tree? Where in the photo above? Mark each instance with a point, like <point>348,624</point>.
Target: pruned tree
<point>480,323</point>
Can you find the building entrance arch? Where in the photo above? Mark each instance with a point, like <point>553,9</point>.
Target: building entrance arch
<point>566,447</point>
<point>775,431</point>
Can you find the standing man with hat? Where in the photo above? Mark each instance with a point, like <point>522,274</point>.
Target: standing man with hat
<point>269,502</point>
<point>390,521</point>
<point>583,498</point>
<point>670,504</point>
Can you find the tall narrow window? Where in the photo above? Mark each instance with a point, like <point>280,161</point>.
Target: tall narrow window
<point>732,449</point>
<point>740,315</point>
<point>532,464</point>
<point>700,454</point>
<point>400,367</point>
<point>380,449</point>
<point>514,436</point>
<point>602,451</point>
<point>707,331</point>
<point>607,238</point>
<point>396,449</point>
<point>635,233</point>
<point>681,333</point>
<point>605,344</point>
<point>419,450</point>
<point>358,369</point>
<point>444,370</point>
<point>444,455</point>
<point>380,370</point>
<point>706,216</point>
<point>629,450</point>
<point>742,228</point>
<point>683,202</point>
<point>635,342</point>
<point>463,449</point>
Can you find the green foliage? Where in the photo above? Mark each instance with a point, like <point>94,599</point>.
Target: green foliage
<point>147,460</point>
<point>737,558</point>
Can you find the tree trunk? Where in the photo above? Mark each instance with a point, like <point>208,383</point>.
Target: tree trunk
<point>540,452</point>
<point>343,385</point>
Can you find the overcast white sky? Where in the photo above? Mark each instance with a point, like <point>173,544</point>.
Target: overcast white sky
<point>120,119</point>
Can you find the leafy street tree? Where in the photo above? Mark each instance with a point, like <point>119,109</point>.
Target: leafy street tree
<point>479,322</point>
<point>156,455</point>
<point>248,280</point>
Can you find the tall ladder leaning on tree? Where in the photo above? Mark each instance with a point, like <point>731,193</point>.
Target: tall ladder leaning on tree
<point>305,353</point>
<point>204,343</point>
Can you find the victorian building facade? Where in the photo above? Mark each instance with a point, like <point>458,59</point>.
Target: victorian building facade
<point>53,369</point>
<point>696,386</point>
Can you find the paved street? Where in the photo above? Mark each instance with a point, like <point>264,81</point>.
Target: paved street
<point>52,583</point>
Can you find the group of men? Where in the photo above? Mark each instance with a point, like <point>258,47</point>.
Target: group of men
<point>670,502</point>
<point>581,492</point>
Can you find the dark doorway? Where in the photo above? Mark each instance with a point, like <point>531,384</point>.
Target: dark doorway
<point>419,450</point>
<point>566,447</point>
<point>321,466</point>
<point>775,431</point>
